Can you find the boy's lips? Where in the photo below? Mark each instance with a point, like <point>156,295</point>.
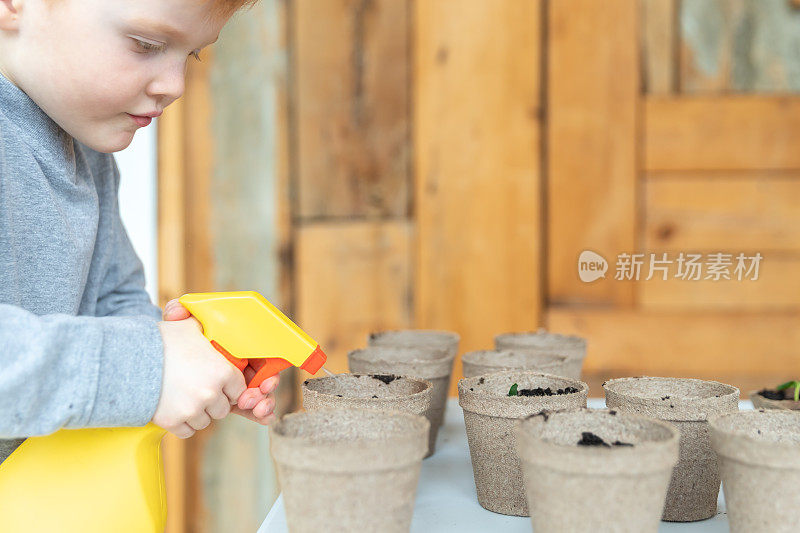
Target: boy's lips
<point>143,120</point>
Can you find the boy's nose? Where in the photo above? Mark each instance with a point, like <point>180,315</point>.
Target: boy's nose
<point>169,85</point>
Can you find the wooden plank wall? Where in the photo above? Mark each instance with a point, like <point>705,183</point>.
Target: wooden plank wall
<point>477,142</point>
<point>593,81</point>
<point>350,173</point>
<point>367,257</point>
<point>720,164</point>
<point>738,46</point>
<point>465,254</point>
<point>716,172</point>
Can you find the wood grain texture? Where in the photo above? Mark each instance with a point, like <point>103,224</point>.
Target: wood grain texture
<point>722,133</point>
<point>659,46</point>
<point>172,282</point>
<point>710,345</point>
<point>248,229</point>
<point>351,70</point>
<point>593,94</point>
<point>739,46</point>
<point>199,261</point>
<point>352,278</point>
<point>723,211</point>
<point>776,289</point>
<point>199,165</point>
<point>477,167</point>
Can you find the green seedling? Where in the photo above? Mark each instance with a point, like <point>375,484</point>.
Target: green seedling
<point>513,390</point>
<point>787,385</point>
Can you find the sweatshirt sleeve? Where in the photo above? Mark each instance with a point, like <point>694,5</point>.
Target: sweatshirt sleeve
<point>76,371</point>
<point>122,292</point>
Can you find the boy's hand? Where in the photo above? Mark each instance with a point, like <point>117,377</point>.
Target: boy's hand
<point>198,384</point>
<point>256,404</point>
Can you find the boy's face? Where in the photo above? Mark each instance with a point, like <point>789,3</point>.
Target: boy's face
<point>92,64</point>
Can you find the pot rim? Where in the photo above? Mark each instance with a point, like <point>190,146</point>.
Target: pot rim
<point>716,425</point>
<point>441,354</point>
<point>439,365</point>
<point>542,333</point>
<point>475,357</point>
<point>440,337</point>
<point>670,407</point>
<point>781,404</point>
<point>426,391</point>
<point>467,397</point>
<point>597,456</point>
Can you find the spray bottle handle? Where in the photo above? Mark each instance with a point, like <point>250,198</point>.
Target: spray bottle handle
<point>272,365</point>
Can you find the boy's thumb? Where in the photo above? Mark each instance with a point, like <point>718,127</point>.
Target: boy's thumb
<point>175,311</point>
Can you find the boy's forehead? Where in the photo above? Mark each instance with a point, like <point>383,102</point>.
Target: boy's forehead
<point>178,19</point>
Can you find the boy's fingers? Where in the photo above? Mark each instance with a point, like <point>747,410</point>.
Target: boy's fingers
<point>219,409</point>
<point>168,306</point>
<point>199,421</point>
<point>182,431</point>
<point>175,311</point>
<point>249,399</point>
<point>234,387</point>
<point>270,384</point>
<point>265,421</point>
<point>264,407</point>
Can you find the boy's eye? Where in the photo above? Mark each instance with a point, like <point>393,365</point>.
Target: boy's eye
<point>149,47</point>
<point>146,47</point>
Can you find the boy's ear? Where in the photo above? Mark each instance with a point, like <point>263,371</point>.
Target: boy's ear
<point>9,14</point>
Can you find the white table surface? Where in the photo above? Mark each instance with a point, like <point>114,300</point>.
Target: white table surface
<point>446,499</point>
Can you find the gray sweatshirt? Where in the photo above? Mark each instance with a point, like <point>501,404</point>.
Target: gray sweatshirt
<point>79,339</point>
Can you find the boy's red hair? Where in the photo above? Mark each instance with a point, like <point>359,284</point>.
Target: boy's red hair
<point>227,8</point>
<point>224,8</point>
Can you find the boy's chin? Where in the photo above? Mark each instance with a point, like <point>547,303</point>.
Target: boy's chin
<point>108,143</point>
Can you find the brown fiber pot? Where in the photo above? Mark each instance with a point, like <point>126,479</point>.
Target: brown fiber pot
<point>385,392</point>
<point>432,364</point>
<point>416,338</point>
<point>759,454</point>
<point>349,470</point>
<point>542,341</point>
<point>759,402</point>
<point>687,403</point>
<point>491,415</point>
<point>484,362</point>
<point>596,488</point>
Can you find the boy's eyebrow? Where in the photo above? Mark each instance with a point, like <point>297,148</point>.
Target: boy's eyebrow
<point>160,27</point>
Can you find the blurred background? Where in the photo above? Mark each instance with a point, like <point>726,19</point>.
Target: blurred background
<point>377,164</point>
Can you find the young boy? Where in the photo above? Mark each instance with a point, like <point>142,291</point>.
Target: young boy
<point>80,343</point>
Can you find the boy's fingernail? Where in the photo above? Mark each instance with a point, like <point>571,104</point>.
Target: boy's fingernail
<point>249,404</point>
<point>271,384</point>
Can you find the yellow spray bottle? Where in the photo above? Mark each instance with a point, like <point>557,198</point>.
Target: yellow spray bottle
<point>111,479</point>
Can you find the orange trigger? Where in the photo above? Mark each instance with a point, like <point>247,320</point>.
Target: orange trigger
<point>239,363</point>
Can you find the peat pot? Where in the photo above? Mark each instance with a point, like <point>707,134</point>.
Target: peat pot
<point>491,415</point>
<point>349,470</point>
<point>686,403</point>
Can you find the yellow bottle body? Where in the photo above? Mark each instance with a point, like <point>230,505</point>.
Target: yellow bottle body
<point>93,480</point>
